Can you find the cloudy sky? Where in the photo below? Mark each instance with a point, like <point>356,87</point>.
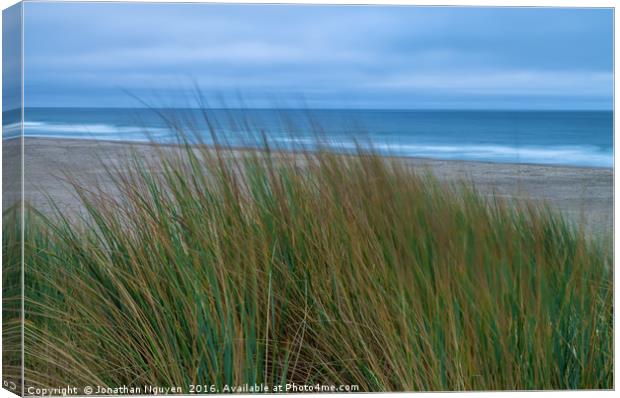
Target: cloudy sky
<point>103,54</point>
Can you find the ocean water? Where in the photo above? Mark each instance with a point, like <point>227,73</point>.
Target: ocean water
<point>578,138</point>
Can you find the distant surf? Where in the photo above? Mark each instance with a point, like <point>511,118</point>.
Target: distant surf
<point>577,138</point>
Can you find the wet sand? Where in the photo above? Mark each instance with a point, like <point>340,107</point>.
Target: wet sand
<point>583,194</point>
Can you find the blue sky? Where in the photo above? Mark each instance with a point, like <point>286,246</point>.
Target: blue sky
<point>92,54</point>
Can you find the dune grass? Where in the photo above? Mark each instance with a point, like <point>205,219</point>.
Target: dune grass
<point>222,267</point>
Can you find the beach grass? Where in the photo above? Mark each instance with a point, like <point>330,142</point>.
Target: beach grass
<point>218,267</point>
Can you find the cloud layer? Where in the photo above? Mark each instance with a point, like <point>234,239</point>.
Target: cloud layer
<point>92,54</point>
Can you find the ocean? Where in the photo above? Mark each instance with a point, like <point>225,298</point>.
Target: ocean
<point>577,138</point>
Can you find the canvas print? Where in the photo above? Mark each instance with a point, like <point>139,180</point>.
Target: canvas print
<point>214,198</point>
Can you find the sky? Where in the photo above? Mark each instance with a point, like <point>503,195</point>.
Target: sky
<point>11,58</point>
<point>373,57</point>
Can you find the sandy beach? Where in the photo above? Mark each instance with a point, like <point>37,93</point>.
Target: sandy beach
<point>583,194</point>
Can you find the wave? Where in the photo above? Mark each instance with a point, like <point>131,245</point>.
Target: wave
<point>578,155</point>
<point>575,155</point>
<point>11,130</point>
<point>92,130</point>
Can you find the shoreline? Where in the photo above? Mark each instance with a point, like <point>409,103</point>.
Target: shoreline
<point>249,148</point>
<point>584,194</point>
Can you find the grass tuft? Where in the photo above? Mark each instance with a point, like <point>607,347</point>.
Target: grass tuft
<point>222,266</point>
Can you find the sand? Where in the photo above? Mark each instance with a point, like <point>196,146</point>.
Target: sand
<point>584,195</point>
